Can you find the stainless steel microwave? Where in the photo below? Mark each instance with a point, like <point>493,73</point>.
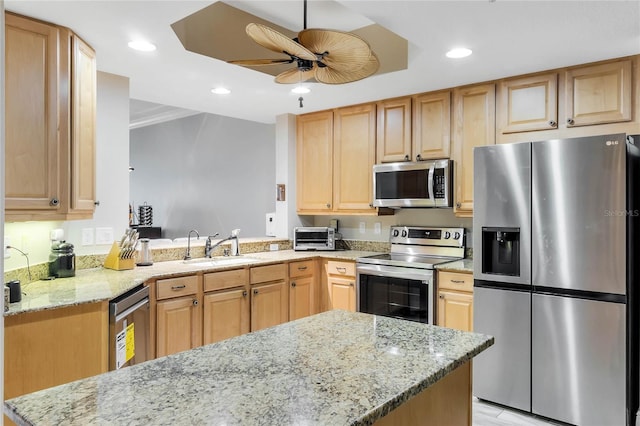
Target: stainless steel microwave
<point>413,184</point>
<point>314,238</point>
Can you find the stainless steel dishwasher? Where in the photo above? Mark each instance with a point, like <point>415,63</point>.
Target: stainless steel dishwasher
<point>129,328</point>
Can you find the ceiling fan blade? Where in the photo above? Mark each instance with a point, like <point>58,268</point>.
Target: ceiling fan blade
<point>278,42</point>
<point>345,51</point>
<point>294,75</point>
<point>256,62</point>
<point>330,75</point>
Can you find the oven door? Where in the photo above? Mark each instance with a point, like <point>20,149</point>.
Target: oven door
<point>405,293</point>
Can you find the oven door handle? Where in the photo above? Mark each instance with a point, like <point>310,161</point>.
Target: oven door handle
<point>423,275</point>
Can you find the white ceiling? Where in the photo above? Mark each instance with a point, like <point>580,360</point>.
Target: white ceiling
<point>507,37</point>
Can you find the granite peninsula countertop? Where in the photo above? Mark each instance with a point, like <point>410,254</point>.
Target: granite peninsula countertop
<point>334,368</point>
<point>100,284</point>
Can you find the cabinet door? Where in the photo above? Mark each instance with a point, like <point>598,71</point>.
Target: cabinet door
<point>32,147</point>
<point>342,293</point>
<point>226,314</point>
<point>394,130</point>
<point>314,153</point>
<point>599,94</point>
<point>529,103</point>
<point>178,325</point>
<point>302,298</point>
<point>431,125</point>
<point>83,177</point>
<point>269,305</point>
<point>353,157</point>
<point>455,310</point>
<point>473,125</point>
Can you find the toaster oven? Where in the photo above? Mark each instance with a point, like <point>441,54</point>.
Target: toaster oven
<point>314,238</point>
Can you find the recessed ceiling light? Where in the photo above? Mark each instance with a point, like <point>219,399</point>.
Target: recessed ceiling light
<point>459,52</point>
<point>300,90</point>
<point>221,91</point>
<point>141,45</point>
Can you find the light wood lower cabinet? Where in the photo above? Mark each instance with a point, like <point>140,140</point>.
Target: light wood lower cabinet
<point>303,289</point>
<point>269,296</point>
<point>455,300</point>
<point>341,285</point>
<point>178,315</point>
<point>226,307</point>
<point>48,348</point>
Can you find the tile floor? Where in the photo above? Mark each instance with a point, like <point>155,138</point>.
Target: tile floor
<point>485,414</point>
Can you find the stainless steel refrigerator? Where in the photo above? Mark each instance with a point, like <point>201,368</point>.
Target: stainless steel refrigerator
<point>555,231</point>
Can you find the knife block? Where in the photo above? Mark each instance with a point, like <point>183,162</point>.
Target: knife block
<point>113,260</point>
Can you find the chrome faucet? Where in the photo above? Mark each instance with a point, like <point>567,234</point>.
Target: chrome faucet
<point>187,254</point>
<point>235,247</point>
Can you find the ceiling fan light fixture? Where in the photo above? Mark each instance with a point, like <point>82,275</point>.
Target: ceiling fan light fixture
<point>300,90</point>
<point>142,45</point>
<point>458,52</point>
<point>220,90</point>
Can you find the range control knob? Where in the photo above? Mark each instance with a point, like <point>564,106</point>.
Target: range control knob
<point>396,232</point>
<point>404,233</point>
<point>456,235</point>
<point>447,235</point>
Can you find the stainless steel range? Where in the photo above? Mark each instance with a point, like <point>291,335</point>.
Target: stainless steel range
<point>401,283</point>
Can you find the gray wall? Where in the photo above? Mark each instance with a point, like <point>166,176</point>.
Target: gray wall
<point>205,172</point>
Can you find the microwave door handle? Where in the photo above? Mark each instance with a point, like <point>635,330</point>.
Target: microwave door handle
<point>430,184</point>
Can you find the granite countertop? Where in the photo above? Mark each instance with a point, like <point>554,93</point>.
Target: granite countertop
<point>337,368</point>
<point>100,284</point>
<point>463,265</point>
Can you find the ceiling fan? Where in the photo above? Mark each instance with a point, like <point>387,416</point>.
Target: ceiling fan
<point>328,56</point>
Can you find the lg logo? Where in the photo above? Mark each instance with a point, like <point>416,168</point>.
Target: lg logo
<point>609,143</point>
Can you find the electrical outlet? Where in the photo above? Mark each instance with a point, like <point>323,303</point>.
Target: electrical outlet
<point>7,252</point>
<point>104,235</point>
<point>376,228</point>
<point>273,247</point>
<point>363,227</point>
<point>26,244</point>
<point>87,236</point>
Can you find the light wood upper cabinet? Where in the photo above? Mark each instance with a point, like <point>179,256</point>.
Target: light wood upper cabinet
<point>32,170</point>
<point>314,170</point>
<point>599,94</point>
<point>431,125</point>
<point>528,103</point>
<point>50,122</point>
<point>354,157</point>
<point>394,130</point>
<point>473,125</point>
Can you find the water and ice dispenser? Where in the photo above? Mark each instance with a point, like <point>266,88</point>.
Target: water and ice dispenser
<point>501,251</point>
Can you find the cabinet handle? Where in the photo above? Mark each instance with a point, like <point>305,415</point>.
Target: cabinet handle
<point>352,284</point>
<point>458,281</point>
<point>418,157</point>
<point>441,296</point>
<point>195,302</point>
<point>341,270</point>
<point>244,293</point>
<point>552,123</point>
<point>178,287</point>
<point>570,121</point>
<point>406,157</point>
<point>96,203</point>
<point>293,284</point>
<point>302,268</point>
<point>255,291</point>
<point>54,202</point>
<point>328,205</point>
<point>458,205</point>
<point>370,205</point>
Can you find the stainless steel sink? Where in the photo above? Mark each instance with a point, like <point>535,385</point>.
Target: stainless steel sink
<point>221,261</point>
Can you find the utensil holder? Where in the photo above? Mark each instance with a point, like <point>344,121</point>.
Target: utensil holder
<point>113,260</point>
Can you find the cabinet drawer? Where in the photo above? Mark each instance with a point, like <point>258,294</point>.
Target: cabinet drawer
<point>341,268</point>
<point>455,281</point>
<point>301,269</point>
<point>175,287</point>
<point>225,279</point>
<point>263,274</point>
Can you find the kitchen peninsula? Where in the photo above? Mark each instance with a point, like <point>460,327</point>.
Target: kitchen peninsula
<point>333,368</point>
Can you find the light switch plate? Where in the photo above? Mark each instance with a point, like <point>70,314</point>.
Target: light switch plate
<point>104,235</point>
<point>87,236</point>
<point>376,228</point>
<point>363,227</point>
